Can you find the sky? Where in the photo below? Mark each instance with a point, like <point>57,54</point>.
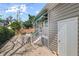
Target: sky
<point>10,9</point>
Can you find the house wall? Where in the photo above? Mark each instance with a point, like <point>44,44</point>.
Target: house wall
<point>60,12</point>
<point>40,26</point>
<point>45,32</point>
<point>42,29</point>
<point>45,29</point>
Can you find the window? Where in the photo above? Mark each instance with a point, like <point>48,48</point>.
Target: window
<point>46,23</point>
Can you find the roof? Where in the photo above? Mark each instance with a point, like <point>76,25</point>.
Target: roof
<point>41,13</point>
<point>47,7</point>
<point>50,6</point>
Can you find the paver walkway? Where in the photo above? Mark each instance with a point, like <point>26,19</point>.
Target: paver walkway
<point>18,46</point>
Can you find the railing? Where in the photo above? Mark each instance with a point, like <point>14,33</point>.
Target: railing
<point>38,36</point>
<point>34,35</point>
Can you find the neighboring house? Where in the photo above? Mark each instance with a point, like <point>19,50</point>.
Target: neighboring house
<point>63,20</point>
<point>4,23</point>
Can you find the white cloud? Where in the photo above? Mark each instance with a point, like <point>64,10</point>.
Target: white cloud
<point>12,9</point>
<point>21,13</point>
<point>37,12</point>
<point>23,8</point>
<point>15,8</point>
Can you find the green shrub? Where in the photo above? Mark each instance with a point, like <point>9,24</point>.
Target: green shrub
<point>16,25</point>
<point>5,34</point>
<point>27,24</point>
<point>11,32</point>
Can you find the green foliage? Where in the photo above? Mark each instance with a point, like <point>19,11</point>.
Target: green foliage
<point>31,18</point>
<point>16,25</point>
<point>29,23</point>
<point>1,18</point>
<point>5,34</point>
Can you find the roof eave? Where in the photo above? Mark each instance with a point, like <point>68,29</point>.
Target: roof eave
<point>50,6</point>
<point>47,7</point>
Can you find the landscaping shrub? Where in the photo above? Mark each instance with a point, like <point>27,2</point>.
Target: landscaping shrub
<point>5,34</point>
<point>16,25</point>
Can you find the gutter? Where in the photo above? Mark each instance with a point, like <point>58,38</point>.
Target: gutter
<point>46,8</point>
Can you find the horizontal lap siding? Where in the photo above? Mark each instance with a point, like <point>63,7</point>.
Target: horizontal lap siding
<point>45,31</point>
<point>60,12</point>
<point>78,38</point>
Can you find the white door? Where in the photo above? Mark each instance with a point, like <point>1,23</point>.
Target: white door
<point>68,37</point>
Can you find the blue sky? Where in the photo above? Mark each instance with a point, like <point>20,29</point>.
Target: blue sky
<point>10,9</point>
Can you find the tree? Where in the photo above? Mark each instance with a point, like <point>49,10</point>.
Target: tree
<point>16,26</point>
<point>29,22</point>
<point>1,18</point>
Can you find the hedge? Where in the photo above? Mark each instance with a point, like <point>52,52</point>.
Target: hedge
<point>5,34</point>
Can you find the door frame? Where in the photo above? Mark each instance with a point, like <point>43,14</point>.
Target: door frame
<point>77,18</point>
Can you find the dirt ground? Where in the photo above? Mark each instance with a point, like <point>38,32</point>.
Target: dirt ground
<point>41,51</point>
<point>31,51</point>
<point>18,46</point>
